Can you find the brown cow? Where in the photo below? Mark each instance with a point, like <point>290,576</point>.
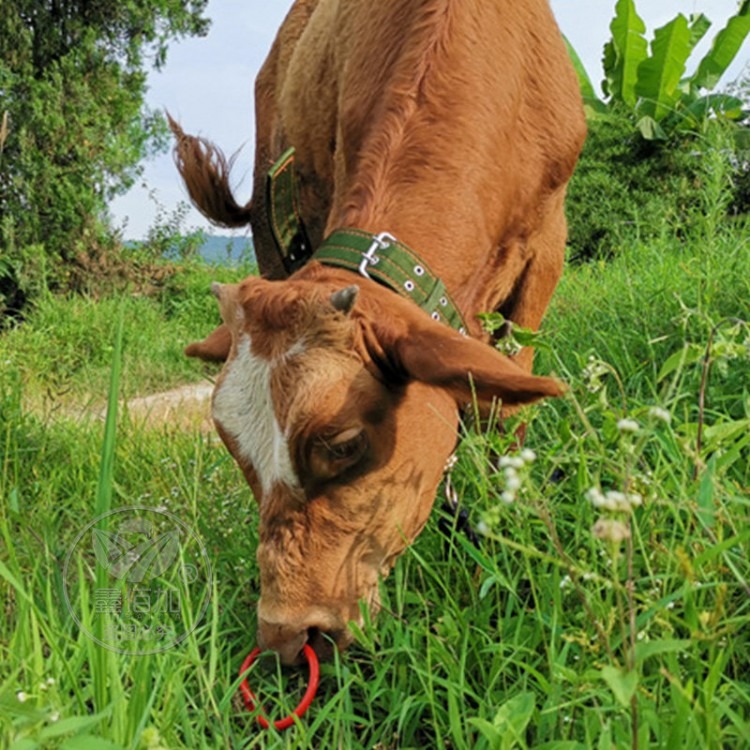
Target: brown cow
<point>455,126</point>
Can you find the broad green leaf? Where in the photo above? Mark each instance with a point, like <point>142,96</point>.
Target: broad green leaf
<point>688,355</point>
<point>605,738</point>
<point>454,715</point>
<point>587,88</point>
<point>715,550</point>
<point>13,500</point>
<point>624,52</point>
<point>735,451</point>
<point>647,649</point>
<point>87,742</point>
<point>724,434</point>
<point>723,105</point>
<point>491,322</point>
<point>512,717</point>
<point>526,337</point>
<point>488,730</point>
<point>699,25</point>
<point>724,49</point>
<point>650,129</point>
<point>70,725</point>
<point>659,75</point>
<point>25,743</point>
<point>594,108</point>
<point>21,712</point>
<point>622,684</point>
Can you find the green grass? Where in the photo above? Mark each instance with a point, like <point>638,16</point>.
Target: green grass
<point>547,636</point>
<point>64,352</point>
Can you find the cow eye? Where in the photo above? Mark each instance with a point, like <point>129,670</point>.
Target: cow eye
<point>347,446</point>
<point>334,454</point>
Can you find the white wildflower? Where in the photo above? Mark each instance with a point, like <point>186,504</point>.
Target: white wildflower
<point>512,462</point>
<point>658,413</point>
<point>593,373</point>
<point>512,480</point>
<point>611,530</point>
<point>54,716</point>
<point>628,425</point>
<point>635,500</point>
<point>528,455</point>
<point>508,497</point>
<point>482,528</point>
<point>614,500</point>
<point>21,696</point>
<point>595,497</point>
<point>622,502</point>
<point>50,681</point>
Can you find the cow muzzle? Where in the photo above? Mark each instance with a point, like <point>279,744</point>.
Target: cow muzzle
<point>286,637</point>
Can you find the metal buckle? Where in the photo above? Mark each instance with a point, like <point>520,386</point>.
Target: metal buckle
<point>379,242</point>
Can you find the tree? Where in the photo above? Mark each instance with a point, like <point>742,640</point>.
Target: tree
<point>72,86</point>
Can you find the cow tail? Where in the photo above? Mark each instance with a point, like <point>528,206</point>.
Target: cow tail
<point>205,171</point>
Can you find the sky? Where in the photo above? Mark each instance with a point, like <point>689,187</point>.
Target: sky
<point>207,85</point>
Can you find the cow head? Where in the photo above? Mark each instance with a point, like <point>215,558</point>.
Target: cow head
<point>341,409</point>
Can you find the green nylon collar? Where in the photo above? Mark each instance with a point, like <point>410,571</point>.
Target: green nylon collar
<point>379,257</point>
<point>384,259</point>
<point>284,216</point>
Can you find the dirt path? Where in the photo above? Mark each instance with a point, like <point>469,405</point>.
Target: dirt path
<point>186,407</point>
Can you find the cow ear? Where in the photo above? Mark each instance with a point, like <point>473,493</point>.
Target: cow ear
<point>435,354</point>
<point>214,348</point>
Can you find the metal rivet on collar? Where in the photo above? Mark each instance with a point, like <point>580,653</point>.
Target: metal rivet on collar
<point>443,301</point>
<point>435,316</point>
<point>419,270</point>
<point>409,285</point>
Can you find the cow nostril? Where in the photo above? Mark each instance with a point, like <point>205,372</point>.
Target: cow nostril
<point>323,642</point>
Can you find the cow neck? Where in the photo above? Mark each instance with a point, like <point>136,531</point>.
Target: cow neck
<point>393,264</point>
<point>379,257</point>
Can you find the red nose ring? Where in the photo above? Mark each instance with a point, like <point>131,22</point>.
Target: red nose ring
<point>312,687</point>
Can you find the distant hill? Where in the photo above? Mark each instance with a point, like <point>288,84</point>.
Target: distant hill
<point>216,249</point>
<point>229,250</point>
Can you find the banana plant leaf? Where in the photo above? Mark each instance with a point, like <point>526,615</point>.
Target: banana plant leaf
<point>726,45</point>
<point>624,52</point>
<point>659,75</point>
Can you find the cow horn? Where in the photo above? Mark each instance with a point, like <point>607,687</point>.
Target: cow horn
<point>344,299</point>
<point>216,289</point>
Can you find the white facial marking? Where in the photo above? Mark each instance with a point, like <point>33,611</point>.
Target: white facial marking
<point>243,406</point>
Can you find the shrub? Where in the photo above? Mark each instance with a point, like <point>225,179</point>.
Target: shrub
<point>626,188</point>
